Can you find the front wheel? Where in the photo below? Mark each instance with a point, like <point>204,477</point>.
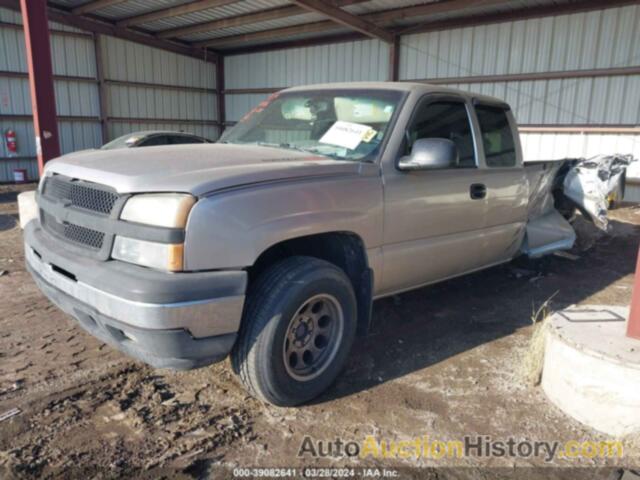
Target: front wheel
<point>297,329</point>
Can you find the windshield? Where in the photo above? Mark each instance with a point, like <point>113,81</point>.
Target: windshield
<point>339,124</point>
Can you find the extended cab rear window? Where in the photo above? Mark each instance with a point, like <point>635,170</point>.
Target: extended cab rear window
<point>497,136</point>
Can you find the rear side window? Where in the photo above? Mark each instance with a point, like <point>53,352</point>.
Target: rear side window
<point>184,139</point>
<point>154,141</point>
<point>497,137</point>
<point>444,119</point>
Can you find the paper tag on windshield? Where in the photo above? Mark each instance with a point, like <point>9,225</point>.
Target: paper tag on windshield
<point>348,135</point>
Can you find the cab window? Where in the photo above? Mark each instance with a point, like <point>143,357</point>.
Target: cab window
<point>497,136</point>
<point>154,141</point>
<point>446,119</point>
<point>184,139</point>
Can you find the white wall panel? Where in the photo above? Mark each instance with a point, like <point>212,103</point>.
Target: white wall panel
<point>130,62</point>
<point>340,62</point>
<point>12,50</point>
<point>76,136</point>
<point>237,105</point>
<point>134,62</point>
<point>77,98</point>
<point>365,60</point>
<point>552,146</point>
<point>577,101</point>
<point>144,102</point>
<point>73,98</point>
<point>117,129</point>
<point>7,165</point>
<point>126,61</point>
<point>597,39</point>
<point>15,98</point>
<point>73,56</point>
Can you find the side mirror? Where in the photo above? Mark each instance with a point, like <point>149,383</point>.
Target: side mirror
<point>430,154</point>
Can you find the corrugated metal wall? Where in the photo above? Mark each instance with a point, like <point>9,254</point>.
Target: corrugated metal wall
<point>341,62</point>
<point>598,39</point>
<point>582,41</point>
<point>157,90</point>
<point>145,89</point>
<point>73,56</point>
<point>572,101</point>
<point>552,146</point>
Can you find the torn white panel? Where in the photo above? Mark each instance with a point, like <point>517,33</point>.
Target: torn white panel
<point>548,233</point>
<point>592,182</point>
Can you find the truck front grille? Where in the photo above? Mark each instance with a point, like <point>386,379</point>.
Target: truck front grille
<point>85,195</point>
<point>82,236</point>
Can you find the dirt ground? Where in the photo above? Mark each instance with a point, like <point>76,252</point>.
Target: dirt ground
<point>443,361</point>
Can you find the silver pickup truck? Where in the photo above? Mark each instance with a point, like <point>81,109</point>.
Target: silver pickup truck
<point>271,245</point>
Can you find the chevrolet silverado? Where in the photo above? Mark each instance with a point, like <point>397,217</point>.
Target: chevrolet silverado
<point>271,245</point>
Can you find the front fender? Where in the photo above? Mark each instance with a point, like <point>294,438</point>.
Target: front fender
<point>229,230</point>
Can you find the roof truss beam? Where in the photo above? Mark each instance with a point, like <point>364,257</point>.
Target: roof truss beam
<point>267,35</point>
<point>246,19</point>
<point>94,5</point>
<point>375,19</point>
<point>184,9</point>
<point>90,24</point>
<point>347,19</point>
<point>279,41</point>
<point>449,6</point>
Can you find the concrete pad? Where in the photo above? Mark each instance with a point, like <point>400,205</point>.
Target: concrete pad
<point>592,370</point>
<point>27,207</point>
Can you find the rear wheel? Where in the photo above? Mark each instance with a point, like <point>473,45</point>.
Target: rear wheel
<point>298,327</point>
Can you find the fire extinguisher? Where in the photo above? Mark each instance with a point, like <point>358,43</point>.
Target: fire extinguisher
<point>11,142</point>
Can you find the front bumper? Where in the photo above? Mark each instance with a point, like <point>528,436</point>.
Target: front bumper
<point>179,320</point>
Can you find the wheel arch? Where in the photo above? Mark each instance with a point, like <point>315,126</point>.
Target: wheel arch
<point>344,249</point>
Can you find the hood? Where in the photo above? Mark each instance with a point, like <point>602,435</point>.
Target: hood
<point>198,169</point>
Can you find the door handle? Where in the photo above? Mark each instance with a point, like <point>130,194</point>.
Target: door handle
<point>478,191</point>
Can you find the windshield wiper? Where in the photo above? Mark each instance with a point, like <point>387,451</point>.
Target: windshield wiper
<point>289,146</point>
<point>316,151</point>
<point>274,145</point>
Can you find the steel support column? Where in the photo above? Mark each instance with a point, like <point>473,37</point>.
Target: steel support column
<point>221,112</point>
<point>102,88</point>
<point>43,103</point>
<point>633,324</point>
<point>394,59</point>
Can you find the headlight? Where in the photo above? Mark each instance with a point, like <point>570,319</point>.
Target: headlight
<point>159,209</point>
<point>162,256</point>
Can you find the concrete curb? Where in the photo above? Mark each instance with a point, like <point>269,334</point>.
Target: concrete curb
<point>592,370</point>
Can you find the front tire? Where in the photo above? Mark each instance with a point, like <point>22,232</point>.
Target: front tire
<point>297,330</point>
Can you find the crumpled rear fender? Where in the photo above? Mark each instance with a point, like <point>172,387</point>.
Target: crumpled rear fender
<point>547,230</point>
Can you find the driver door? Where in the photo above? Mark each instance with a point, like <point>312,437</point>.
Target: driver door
<point>434,219</point>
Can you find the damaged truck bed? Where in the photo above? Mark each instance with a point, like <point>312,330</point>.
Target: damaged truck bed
<point>557,189</point>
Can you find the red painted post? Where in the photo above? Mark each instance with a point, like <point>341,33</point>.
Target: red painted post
<point>633,324</point>
<point>43,103</point>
